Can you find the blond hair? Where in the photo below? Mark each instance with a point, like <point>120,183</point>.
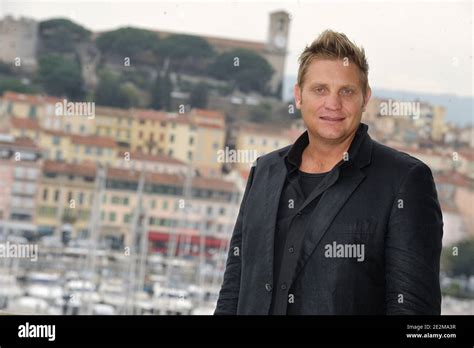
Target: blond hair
<point>334,45</point>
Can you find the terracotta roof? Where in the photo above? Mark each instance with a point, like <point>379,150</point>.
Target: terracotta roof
<point>149,114</point>
<point>221,43</point>
<point>58,133</point>
<point>152,158</point>
<point>24,123</point>
<point>34,99</point>
<point>453,178</point>
<point>259,129</point>
<point>469,155</point>
<point>213,184</point>
<point>83,169</point>
<point>21,142</point>
<point>114,112</point>
<point>93,140</point>
<point>213,114</point>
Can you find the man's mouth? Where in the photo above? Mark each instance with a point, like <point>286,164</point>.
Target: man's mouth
<point>332,119</point>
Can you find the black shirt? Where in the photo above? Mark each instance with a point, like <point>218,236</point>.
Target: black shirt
<point>309,181</point>
<point>300,195</point>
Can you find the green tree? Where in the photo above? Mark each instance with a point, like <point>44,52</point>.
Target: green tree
<point>138,44</point>
<point>199,96</point>
<point>60,76</point>
<point>15,85</point>
<point>186,53</point>
<point>247,70</point>
<point>161,92</point>
<point>460,261</point>
<point>61,35</point>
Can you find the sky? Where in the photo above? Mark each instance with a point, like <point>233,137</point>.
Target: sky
<point>423,46</point>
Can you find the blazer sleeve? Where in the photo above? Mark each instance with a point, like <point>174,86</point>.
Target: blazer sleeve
<point>229,293</point>
<point>413,246</point>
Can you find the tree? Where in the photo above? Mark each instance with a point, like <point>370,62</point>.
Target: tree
<point>15,85</point>
<point>60,76</point>
<point>161,92</point>
<point>186,53</point>
<point>199,96</point>
<point>61,35</point>
<point>137,44</point>
<point>460,261</point>
<point>247,70</point>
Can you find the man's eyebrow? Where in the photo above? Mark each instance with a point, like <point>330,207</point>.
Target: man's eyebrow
<point>321,84</point>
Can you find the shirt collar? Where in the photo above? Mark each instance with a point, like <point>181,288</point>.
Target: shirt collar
<point>294,154</point>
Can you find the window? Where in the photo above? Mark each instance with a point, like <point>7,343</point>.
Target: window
<point>88,150</point>
<point>81,197</point>
<point>69,196</point>
<point>190,155</point>
<point>191,140</point>
<point>215,146</point>
<point>45,194</point>
<point>56,195</point>
<point>264,142</point>
<point>153,204</point>
<point>165,205</point>
<point>170,152</point>
<point>32,113</point>
<point>82,129</point>
<point>172,138</point>
<point>68,128</point>
<point>209,210</point>
<point>222,211</point>
<point>126,218</point>
<point>251,141</point>
<point>56,140</point>
<point>99,151</point>
<point>112,216</point>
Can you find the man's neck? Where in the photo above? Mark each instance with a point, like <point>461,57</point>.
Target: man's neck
<point>321,156</point>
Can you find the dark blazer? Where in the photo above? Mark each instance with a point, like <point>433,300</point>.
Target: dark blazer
<point>380,197</point>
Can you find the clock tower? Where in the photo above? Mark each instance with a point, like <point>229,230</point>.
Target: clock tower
<point>278,31</point>
<point>276,46</point>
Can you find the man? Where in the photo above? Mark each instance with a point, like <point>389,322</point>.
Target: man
<point>335,223</point>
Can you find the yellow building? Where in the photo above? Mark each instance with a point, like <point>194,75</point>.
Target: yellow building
<point>253,140</point>
<point>65,196</point>
<point>114,122</point>
<point>210,137</point>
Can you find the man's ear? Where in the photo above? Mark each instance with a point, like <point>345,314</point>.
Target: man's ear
<point>297,95</point>
<point>368,94</point>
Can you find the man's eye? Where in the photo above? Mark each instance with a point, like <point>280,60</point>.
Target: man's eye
<point>319,90</point>
<point>347,91</point>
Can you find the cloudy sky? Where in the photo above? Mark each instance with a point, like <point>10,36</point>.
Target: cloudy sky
<point>423,46</point>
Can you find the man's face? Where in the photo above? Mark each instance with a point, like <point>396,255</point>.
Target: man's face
<point>331,100</point>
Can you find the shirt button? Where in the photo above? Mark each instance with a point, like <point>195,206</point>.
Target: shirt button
<point>268,287</point>
<point>283,286</point>
<point>299,213</point>
<point>291,250</point>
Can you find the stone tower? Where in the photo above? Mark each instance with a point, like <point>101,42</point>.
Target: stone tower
<point>276,45</point>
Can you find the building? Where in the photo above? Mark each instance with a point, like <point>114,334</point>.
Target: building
<point>18,42</point>
<point>20,163</point>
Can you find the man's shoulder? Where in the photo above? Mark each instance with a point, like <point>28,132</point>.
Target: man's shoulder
<point>398,161</point>
<point>270,157</point>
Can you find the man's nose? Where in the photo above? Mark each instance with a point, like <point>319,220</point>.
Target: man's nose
<point>333,101</point>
